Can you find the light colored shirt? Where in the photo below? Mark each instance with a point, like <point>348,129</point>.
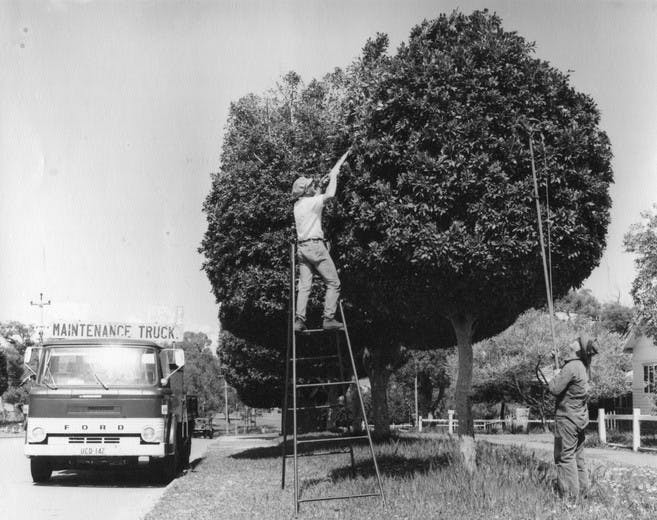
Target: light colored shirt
<point>308,217</point>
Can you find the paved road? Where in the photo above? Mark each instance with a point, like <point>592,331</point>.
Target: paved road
<point>76,495</point>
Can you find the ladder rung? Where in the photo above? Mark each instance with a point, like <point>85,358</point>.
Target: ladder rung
<point>328,383</point>
<point>317,407</point>
<point>307,332</point>
<point>313,358</point>
<point>342,497</point>
<point>318,454</point>
<point>332,439</point>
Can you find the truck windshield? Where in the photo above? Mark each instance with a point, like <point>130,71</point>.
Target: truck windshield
<point>104,366</point>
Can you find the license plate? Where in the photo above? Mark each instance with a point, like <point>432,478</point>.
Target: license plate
<point>92,451</point>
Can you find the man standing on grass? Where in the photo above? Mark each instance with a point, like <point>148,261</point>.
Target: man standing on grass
<point>312,254</point>
<point>570,387</point>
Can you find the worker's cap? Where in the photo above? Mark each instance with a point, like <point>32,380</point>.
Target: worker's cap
<point>584,341</point>
<point>587,348</point>
<point>300,186</point>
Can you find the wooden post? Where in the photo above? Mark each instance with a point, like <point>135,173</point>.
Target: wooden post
<point>450,423</point>
<point>636,429</point>
<point>602,430</point>
<point>419,424</point>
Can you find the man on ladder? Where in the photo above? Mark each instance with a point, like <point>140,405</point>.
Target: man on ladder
<point>312,253</point>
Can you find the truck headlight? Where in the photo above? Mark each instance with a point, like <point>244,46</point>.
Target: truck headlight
<point>37,434</point>
<point>148,434</point>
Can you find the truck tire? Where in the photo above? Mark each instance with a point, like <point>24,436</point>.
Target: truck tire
<point>186,451</point>
<point>168,468</point>
<point>41,469</point>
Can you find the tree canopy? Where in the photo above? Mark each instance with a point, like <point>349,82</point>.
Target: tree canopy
<point>641,240</point>
<point>435,215</point>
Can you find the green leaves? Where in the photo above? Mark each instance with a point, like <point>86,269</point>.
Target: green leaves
<point>641,240</point>
<point>434,215</point>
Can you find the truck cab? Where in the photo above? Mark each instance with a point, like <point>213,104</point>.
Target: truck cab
<point>107,402</point>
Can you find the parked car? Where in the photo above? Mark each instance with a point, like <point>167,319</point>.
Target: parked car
<point>203,427</point>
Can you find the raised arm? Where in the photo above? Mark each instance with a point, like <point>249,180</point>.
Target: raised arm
<point>333,176</point>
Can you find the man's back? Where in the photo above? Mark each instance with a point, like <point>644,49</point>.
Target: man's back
<point>308,217</point>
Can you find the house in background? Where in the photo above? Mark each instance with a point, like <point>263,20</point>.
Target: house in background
<point>644,368</point>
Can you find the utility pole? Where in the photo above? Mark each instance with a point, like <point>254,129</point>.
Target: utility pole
<point>41,304</point>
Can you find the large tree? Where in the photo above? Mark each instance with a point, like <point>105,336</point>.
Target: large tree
<point>435,226</point>
<point>641,240</point>
<point>441,194</point>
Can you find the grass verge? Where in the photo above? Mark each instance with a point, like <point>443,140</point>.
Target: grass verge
<point>422,479</point>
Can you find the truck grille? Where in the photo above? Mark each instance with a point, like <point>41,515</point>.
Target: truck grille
<point>94,440</point>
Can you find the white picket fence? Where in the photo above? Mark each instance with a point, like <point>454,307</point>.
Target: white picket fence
<point>604,421</point>
<point>611,420</point>
<point>480,425</point>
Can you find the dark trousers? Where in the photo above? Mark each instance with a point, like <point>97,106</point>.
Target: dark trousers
<point>572,475</point>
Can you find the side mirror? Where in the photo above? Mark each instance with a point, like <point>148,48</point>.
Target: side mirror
<point>30,353</point>
<point>175,357</point>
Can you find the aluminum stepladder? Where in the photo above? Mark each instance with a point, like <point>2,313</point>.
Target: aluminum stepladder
<point>291,360</point>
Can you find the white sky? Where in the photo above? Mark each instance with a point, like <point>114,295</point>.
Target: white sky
<point>112,112</point>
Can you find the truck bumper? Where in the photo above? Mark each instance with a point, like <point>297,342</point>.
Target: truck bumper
<point>63,447</point>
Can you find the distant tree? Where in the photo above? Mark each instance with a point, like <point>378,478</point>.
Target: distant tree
<point>18,337</point>
<point>433,379</point>
<point>641,240</point>
<point>616,317</point>
<point>505,366</point>
<point>202,372</point>
<point>4,380</point>
<point>580,302</point>
<point>15,395</point>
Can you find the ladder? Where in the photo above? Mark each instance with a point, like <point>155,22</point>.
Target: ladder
<point>343,383</point>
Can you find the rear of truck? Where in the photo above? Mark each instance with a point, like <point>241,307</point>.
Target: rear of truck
<point>107,403</point>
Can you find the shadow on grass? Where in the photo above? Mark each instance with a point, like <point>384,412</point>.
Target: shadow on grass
<point>394,464</point>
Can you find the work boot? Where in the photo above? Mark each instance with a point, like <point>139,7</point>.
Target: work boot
<point>299,325</point>
<point>332,324</point>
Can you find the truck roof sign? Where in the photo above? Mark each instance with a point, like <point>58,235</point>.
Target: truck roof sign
<point>149,331</point>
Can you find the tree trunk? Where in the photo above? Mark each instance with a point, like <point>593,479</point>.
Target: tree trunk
<point>379,377</point>
<point>464,329</point>
<point>379,371</point>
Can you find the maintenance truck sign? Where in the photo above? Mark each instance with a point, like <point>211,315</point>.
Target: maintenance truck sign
<point>153,332</point>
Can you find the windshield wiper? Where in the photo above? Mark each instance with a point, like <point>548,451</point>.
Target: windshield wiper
<point>48,372</point>
<point>100,381</point>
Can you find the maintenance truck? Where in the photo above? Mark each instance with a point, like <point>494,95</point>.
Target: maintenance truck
<point>103,402</point>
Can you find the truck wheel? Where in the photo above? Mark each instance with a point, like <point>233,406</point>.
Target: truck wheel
<point>40,469</point>
<point>186,451</point>
<point>168,468</point>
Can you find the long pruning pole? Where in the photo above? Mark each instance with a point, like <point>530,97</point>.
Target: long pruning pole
<point>545,267</point>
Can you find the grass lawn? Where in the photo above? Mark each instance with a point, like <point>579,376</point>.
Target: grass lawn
<point>422,479</point>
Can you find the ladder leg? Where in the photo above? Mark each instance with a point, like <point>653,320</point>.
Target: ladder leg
<point>344,401</point>
<point>284,414</point>
<point>290,334</point>
<point>362,405</point>
<point>294,390</point>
